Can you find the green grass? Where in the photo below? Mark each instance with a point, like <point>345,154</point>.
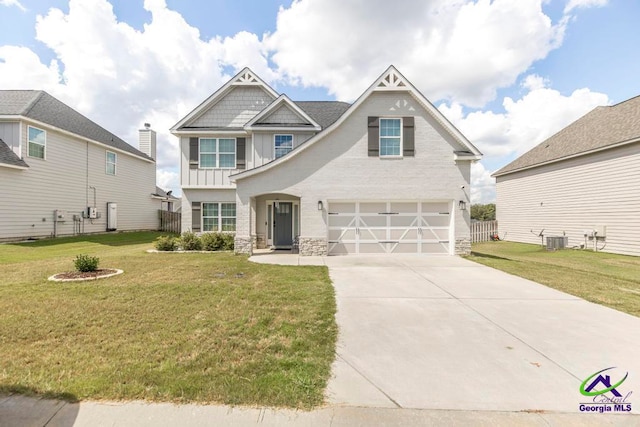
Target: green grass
<point>173,327</point>
<point>607,279</point>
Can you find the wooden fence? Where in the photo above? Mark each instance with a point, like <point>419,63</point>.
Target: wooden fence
<point>170,221</point>
<point>482,231</point>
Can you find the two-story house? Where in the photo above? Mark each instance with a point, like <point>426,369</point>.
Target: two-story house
<point>63,174</point>
<point>386,174</point>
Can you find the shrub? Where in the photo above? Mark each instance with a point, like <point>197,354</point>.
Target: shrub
<point>190,241</point>
<point>212,241</point>
<point>228,240</point>
<point>86,263</point>
<point>166,243</point>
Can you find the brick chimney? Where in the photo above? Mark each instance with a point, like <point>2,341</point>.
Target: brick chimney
<point>147,141</point>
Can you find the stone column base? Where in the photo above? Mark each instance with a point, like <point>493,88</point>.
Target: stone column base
<point>243,245</point>
<point>310,246</point>
<point>463,246</point>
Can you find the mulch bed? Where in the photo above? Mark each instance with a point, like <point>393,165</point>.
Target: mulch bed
<point>86,274</point>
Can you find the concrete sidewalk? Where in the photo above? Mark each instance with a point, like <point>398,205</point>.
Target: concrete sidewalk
<point>19,411</point>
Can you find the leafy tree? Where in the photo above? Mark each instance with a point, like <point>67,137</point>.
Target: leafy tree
<point>482,212</point>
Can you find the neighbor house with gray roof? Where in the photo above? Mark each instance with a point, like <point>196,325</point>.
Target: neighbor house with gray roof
<point>386,174</point>
<point>582,183</point>
<point>63,174</point>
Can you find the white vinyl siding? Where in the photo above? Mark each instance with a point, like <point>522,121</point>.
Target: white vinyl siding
<point>390,137</point>
<point>282,145</point>
<point>574,196</point>
<point>217,153</point>
<point>218,216</point>
<point>112,159</point>
<point>37,142</point>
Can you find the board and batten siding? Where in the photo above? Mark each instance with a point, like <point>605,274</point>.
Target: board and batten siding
<point>62,182</point>
<point>573,196</point>
<point>338,167</point>
<point>263,146</point>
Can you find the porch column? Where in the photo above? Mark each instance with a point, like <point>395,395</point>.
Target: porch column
<point>245,206</point>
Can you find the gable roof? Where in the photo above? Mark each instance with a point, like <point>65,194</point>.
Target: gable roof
<point>9,158</point>
<point>39,106</point>
<point>245,77</point>
<point>601,128</point>
<point>262,118</point>
<point>390,80</point>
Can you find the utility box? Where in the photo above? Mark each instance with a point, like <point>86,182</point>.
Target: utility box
<point>112,216</point>
<point>59,215</point>
<point>92,212</point>
<point>557,242</point>
<point>600,230</point>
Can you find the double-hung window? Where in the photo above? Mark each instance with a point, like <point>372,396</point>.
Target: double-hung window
<point>37,142</point>
<point>217,153</point>
<point>218,216</point>
<point>390,137</point>
<point>111,163</point>
<point>283,144</point>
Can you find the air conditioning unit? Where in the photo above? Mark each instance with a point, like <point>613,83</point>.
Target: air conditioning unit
<point>557,242</point>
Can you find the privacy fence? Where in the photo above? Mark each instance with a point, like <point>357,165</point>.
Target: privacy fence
<point>170,221</point>
<point>482,231</point>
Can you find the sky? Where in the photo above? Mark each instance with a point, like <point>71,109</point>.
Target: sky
<point>507,73</point>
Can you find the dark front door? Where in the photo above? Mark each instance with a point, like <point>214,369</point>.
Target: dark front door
<point>283,236</point>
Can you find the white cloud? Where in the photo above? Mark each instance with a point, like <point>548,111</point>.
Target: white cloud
<point>573,4</point>
<point>525,123</point>
<point>462,50</point>
<point>16,3</point>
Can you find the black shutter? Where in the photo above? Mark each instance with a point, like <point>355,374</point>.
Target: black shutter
<point>408,137</point>
<point>374,137</point>
<point>196,215</point>
<point>241,153</point>
<point>193,153</point>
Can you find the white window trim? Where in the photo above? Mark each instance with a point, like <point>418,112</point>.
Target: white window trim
<point>217,153</point>
<point>219,217</point>
<point>29,141</point>
<point>274,144</point>
<point>115,163</point>
<point>387,156</point>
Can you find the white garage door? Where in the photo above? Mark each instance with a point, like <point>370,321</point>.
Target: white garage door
<point>389,227</point>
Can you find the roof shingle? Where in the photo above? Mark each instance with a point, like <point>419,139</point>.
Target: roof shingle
<point>39,105</point>
<point>598,129</point>
<point>8,157</point>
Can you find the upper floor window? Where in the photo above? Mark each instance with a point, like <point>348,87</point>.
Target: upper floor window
<point>390,137</point>
<point>37,142</point>
<point>112,159</point>
<point>283,144</point>
<point>217,153</point>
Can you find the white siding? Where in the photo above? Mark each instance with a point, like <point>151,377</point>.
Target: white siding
<point>235,109</point>
<point>10,134</point>
<point>569,197</point>
<point>338,168</point>
<point>190,196</point>
<point>62,181</point>
<point>263,146</point>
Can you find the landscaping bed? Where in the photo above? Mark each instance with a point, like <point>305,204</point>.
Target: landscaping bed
<point>202,328</point>
<point>608,279</point>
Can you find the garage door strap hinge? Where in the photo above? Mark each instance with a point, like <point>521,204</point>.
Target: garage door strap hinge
<point>388,213</point>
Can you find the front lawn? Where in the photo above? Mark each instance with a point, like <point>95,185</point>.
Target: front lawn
<point>607,279</point>
<point>173,327</point>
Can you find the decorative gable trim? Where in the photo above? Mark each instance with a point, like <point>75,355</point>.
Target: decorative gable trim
<point>246,77</point>
<point>282,100</point>
<point>428,106</point>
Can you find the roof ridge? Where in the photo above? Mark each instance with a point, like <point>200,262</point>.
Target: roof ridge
<point>33,102</point>
<point>623,102</point>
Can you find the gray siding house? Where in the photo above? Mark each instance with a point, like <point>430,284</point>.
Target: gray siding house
<point>387,174</point>
<point>63,174</point>
<point>583,183</point>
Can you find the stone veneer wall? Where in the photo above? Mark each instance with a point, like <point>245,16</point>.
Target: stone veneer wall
<point>463,246</point>
<point>313,246</point>
<point>243,245</point>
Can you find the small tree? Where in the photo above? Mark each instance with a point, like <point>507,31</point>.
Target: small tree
<point>482,212</point>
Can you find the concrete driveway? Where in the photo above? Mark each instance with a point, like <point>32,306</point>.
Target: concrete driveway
<point>445,333</point>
